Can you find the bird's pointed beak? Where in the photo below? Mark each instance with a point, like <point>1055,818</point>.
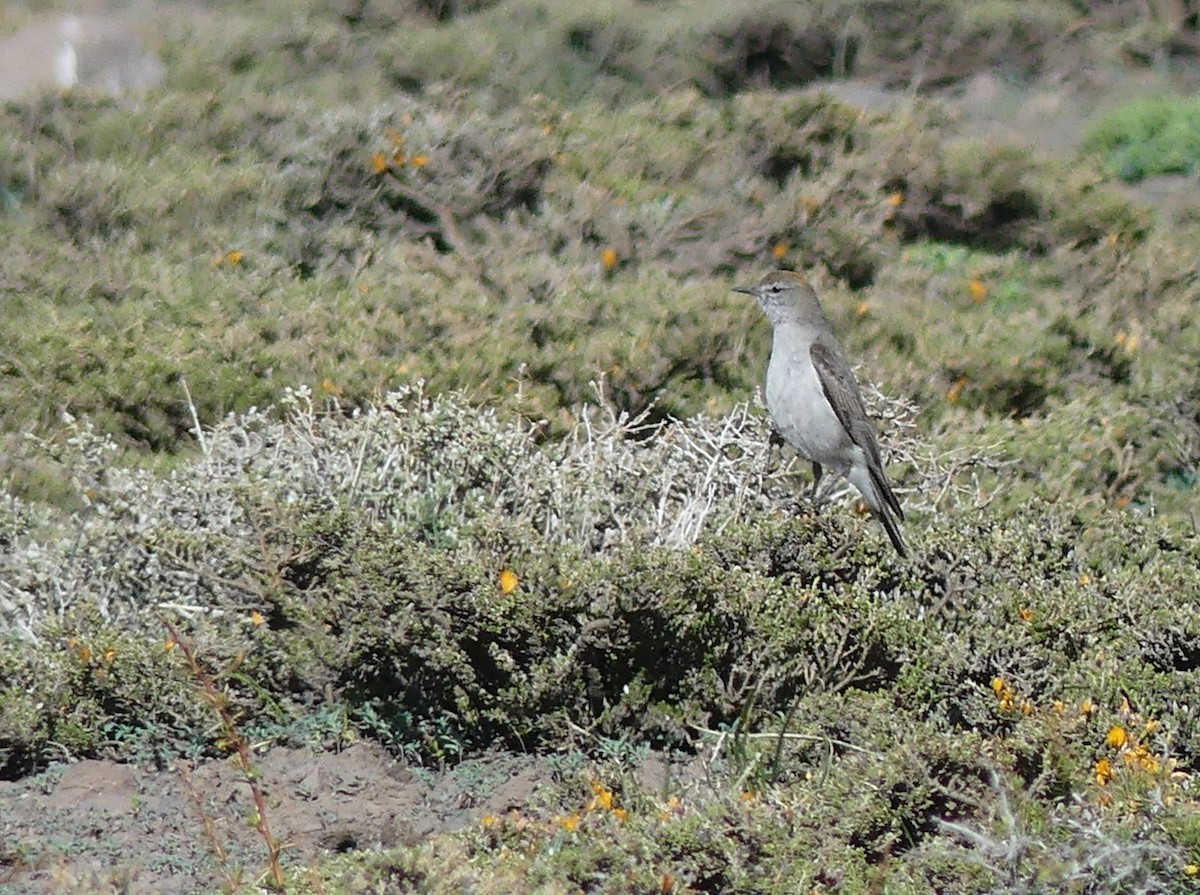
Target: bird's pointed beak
<point>746,290</point>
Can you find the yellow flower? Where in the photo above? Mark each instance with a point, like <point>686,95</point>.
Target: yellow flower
<point>256,619</point>
<point>332,388</point>
<point>779,250</point>
<point>979,291</point>
<point>895,199</point>
<point>419,161</point>
<point>609,258</point>
<point>862,310</point>
<point>1025,613</point>
<point>1104,771</point>
<point>1087,708</point>
<point>1116,737</point>
<point>109,656</point>
<point>621,814</point>
<point>1005,695</point>
<point>380,163</point>
<point>509,581</point>
<point>570,823</point>
<point>674,806</point>
<point>1143,758</point>
<point>603,799</point>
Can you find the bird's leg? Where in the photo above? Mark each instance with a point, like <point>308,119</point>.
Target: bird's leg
<point>774,443</point>
<point>816,480</point>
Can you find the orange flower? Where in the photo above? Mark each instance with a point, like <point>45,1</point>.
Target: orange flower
<point>609,258</point>
<point>779,250</point>
<point>509,581</point>
<point>979,291</point>
<point>955,391</point>
<point>380,163</point>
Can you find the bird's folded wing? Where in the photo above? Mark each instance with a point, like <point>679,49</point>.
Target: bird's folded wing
<point>841,391</point>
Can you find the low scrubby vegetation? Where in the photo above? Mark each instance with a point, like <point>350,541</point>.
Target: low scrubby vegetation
<point>434,577</point>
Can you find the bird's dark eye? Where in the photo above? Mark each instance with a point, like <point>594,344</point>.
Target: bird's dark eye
<point>775,287</point>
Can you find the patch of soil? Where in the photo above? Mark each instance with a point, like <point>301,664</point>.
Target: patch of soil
<point>102,826</point>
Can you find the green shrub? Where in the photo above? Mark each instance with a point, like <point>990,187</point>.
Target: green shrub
<point>1149,136</point>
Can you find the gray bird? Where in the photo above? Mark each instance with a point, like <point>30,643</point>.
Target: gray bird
<point>814,399</point>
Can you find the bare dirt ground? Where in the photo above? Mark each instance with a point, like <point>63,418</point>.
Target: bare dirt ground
<point>99,826</point>
<point>102,826</point>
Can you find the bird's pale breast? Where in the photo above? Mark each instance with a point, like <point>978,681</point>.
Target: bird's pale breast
<point>800,410</point>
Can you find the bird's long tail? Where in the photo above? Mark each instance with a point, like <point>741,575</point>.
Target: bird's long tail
<point>893,532</point>
<point>886,506</point>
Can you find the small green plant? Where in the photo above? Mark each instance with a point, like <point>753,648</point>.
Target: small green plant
<point>1145,137</point>
<point>234,740</point>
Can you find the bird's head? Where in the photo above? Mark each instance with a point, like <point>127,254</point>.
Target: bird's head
<point>784,295</point>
